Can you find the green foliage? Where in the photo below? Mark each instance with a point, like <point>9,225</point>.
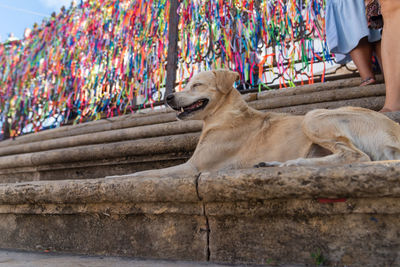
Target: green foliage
<point>318,258</point>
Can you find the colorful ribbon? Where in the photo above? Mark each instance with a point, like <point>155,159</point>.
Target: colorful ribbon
<point>108,57</point>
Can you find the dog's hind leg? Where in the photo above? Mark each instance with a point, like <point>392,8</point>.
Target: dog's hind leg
<point>343,152</point>
<point>328,131</point>
<point>331,131</point>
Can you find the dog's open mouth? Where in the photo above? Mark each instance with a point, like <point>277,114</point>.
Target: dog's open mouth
<point>198,105</point>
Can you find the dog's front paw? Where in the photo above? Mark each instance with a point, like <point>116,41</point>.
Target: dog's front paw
<point>141,174</point>
<point>293,162</point>
<point>268,164</point>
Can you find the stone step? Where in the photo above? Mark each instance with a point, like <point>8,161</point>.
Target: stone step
<point>335,215</point>
<point>99,160</point>
<point>105,137</point>
<point>153,138</point>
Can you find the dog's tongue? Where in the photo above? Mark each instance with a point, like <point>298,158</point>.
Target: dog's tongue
<point>194,105</point>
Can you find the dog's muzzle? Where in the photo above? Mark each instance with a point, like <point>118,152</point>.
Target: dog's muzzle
<point>183,111</point>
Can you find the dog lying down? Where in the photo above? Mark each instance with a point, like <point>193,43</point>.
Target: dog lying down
<point>237,136</point>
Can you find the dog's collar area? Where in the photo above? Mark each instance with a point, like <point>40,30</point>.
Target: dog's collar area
<point>198,105</point>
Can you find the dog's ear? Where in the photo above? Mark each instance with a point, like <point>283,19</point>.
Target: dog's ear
<point>225,79</point>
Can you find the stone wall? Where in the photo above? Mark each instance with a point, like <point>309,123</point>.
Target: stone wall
<point>347,215</point>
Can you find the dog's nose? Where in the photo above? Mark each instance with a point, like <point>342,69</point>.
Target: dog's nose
<point>170,97</point>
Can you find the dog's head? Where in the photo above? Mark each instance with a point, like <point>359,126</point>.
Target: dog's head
<point>202,94</point>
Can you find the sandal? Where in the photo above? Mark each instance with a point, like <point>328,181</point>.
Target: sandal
<point>368,81</point>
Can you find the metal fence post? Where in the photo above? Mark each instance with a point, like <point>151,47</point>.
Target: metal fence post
<point>172,56</point>
<point>6,130</point>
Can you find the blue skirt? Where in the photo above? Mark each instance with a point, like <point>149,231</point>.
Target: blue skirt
<point>346,25</point>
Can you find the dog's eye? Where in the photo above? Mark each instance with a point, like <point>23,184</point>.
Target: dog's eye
<point>196,85</point>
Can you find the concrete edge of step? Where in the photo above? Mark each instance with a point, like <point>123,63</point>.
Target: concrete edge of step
<point>372,179</point>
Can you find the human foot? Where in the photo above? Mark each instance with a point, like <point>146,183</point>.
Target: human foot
<point>384,110</point>
<point>368,81</point>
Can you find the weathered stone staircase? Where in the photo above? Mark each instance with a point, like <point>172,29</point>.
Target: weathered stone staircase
<point>53,194</point>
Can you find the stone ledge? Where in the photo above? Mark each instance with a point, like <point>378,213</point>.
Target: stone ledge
<point>110,136</point>
<point>149,146</point>
<point>89,169</point>
<point>316,87</point>
<point>361,180</point>
<point>104,190</point>
<point>319,97</point>
<point>373,103</point>
<point>349,213</point>
<point>374,179</point>
<point>120,122</point>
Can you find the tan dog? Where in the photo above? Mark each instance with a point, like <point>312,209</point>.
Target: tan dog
<point>237,136</point>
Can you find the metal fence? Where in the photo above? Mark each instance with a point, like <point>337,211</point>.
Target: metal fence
<point>105,58</point>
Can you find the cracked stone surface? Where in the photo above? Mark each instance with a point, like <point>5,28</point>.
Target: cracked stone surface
<point>348,215</point>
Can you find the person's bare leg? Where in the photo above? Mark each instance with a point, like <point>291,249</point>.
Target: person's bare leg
<point>361,56</point>
<point>391,53</point>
